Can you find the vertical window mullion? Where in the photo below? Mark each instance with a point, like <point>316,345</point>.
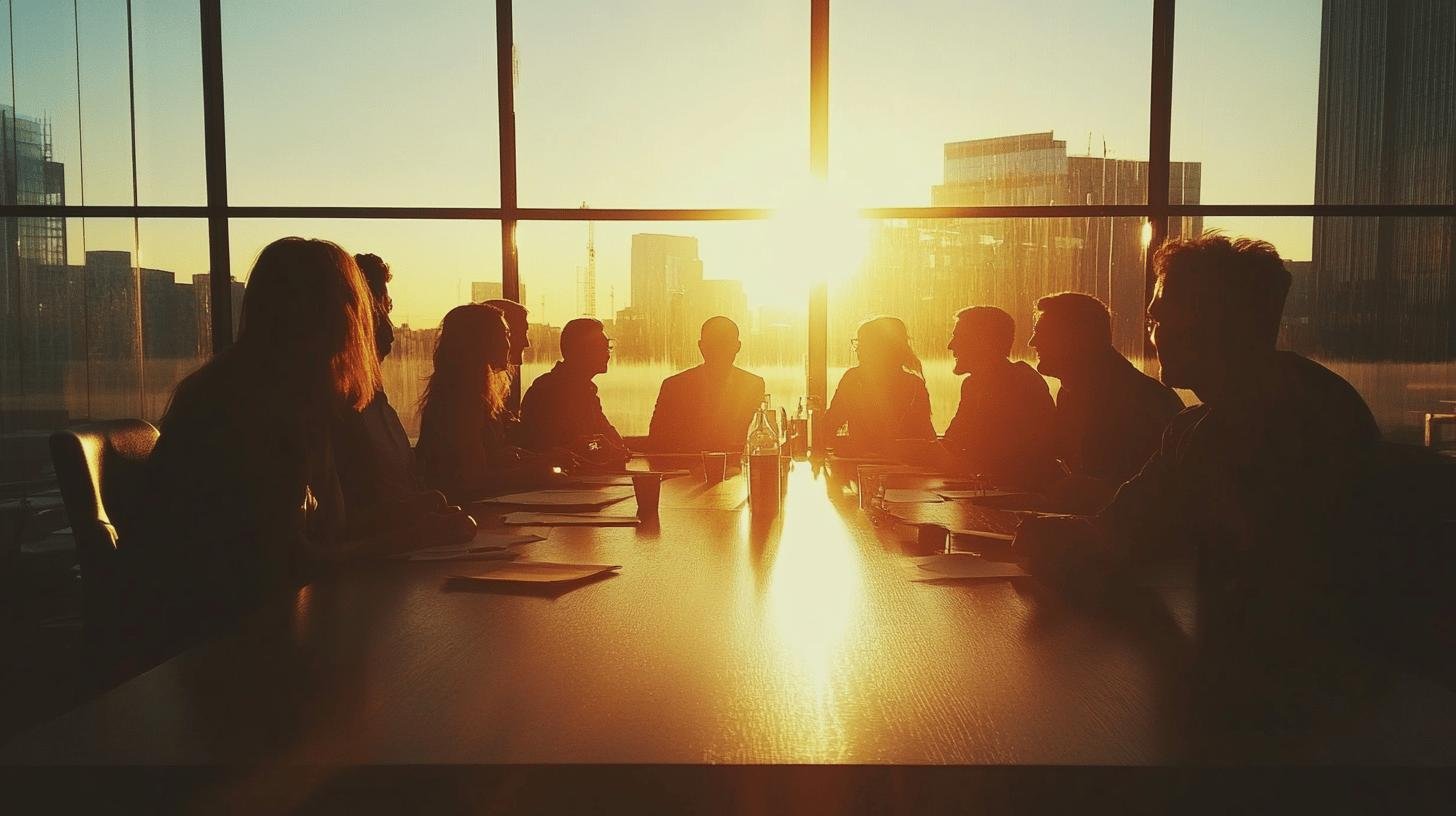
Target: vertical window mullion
<point>215,149</point>
<point>1160,127</point>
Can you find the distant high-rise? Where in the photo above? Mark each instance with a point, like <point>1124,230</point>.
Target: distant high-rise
<point>924,270</point>
<point>664,270</point>
<point>481,291</point>
<point>1385,288</point>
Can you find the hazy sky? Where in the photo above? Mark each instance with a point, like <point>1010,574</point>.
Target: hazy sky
<point>636,103</point>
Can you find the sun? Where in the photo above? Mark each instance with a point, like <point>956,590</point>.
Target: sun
<point>815,237</point>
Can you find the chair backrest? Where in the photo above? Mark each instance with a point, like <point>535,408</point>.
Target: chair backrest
<point>101,470</point>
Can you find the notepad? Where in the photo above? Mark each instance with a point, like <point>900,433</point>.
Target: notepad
<point>963,565</point>
<point>910,496</point>
<point>570,519</point>
<point>598,497</point>
<point>538,572</point>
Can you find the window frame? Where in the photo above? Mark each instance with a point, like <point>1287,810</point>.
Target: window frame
<point>217,210</point>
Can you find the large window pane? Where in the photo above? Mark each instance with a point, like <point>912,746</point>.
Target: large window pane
<point>1341,102</point>
<point>655,284</point>
<point>660,103</point>
<point>918,93</point>
<point>924,271</point>
<point>167,58</point>
<point>358,102</point>
<point>436,265</point>
<point>101,332</point>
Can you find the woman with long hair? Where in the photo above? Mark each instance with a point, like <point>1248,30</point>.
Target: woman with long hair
<point>241,497</point>
<point>883,398</point>
<point>463,451</point>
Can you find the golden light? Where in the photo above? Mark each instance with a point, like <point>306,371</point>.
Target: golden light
<point>816,236</point>
<point>1147,235</point>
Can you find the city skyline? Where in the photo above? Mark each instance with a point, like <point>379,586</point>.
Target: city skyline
<point>635,130</point>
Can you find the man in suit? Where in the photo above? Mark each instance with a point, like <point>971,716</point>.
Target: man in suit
<point>708,407</point>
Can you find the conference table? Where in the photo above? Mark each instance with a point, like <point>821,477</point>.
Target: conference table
<point>729,638</point>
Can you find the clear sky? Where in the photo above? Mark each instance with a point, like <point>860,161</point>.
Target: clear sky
<point>636,103</point>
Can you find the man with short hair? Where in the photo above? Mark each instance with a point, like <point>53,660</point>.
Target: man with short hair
<point>562,410</point>
<point>1002,428</point>
<point>707,407</point>
<point>516,321</point>
<point>1110,416</point>
<point>1264,481</point>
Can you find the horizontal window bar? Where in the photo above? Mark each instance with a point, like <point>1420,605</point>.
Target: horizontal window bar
<point>723,214</point>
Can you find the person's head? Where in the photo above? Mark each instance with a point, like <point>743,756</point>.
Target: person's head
<point>307,317</point>
<point>520,330</point>
<point>472,358</point>
<point>1071,329</point>
<point>1216,304</point>
<point>718,341</point>
<point>982,335</point>
<point>377,276</point>
<point>584,345</point>
<point>883,343</point>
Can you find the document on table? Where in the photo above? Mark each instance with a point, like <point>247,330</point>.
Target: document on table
<point>591,497</point>
<point>570,520</point>
<point>963,565</point>
<point>487,544</point>
<point>910,496</point>
<point>538,572</point>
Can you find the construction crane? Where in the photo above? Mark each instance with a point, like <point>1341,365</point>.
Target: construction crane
<point>588,292</point>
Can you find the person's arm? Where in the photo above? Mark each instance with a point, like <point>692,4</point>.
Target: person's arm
<point>838,414</point>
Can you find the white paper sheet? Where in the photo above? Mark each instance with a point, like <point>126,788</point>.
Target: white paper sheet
<point>910,496</point>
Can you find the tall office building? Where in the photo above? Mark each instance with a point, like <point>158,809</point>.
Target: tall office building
<point>665,270</point>
<point>28,175</point>
<point>924,270</point>
<point>481,291</point>
<point>1385,288</point>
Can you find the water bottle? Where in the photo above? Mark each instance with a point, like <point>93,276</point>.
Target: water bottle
<point>762,453</point>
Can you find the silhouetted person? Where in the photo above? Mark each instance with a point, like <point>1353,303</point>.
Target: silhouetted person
<point>376,466</point>
<point>242,499</point>
<point>883,398</point>
<point>1263,480</point>
<point>1110,416</point>
<point>463,451</point>
<point>708,407</point>
<point>561,409</point>
<point>1003,426</point>
<point>516,320</point>
<point>520,330</point>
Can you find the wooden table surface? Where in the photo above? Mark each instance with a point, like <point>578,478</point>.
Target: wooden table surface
<point>726,638</point>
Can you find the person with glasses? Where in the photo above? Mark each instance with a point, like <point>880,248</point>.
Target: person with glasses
<point>561,409</point>
<point>882,399</point>
<point>707,407</point>
<point>1266,484</point>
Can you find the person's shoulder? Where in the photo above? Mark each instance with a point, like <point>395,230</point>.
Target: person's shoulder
<point>1333,393</point>
<point>1029,378</point>
<point>1152,389</point>
<point>747,378</point>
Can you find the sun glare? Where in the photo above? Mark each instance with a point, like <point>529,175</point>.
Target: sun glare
<point>817,236</point>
